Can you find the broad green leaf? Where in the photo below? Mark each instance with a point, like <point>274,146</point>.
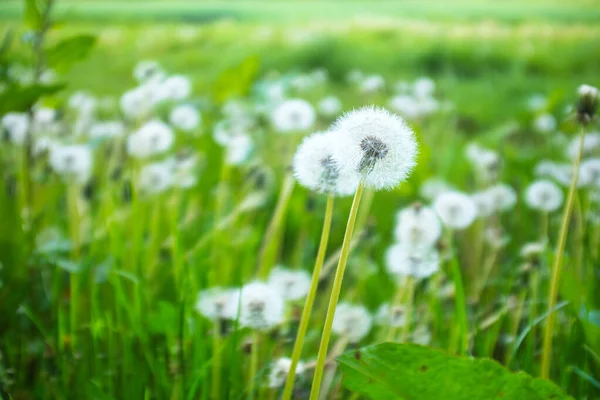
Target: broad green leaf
<point>235,82</point>
<point>412,372</point>
<point>31,15</point>
<point>69,51</point>
<point>19,98</point>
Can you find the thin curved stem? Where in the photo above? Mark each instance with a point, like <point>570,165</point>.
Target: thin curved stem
<point>557,266</point>
<point>310,299</point>
<point>335,295</point>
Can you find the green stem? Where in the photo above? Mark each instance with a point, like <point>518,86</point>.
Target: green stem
<point>216,372</point>
<point>270,245</point>
<point>306,312</point>
<point>460,303</point>
<point>410,294</point>
<point>557,266</point>
<point>74,276</point>
<point>335,295</point>
<point>253,364</point>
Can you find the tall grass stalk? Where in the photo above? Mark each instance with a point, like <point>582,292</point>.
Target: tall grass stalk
<point>557,266</point>
<point>310,299</point>
<point>335,294</point>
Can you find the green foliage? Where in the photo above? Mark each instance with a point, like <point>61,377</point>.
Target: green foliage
<point>32,17</point>
<point>69,51</point>
<point>236,81</point>
<point>21,98</point>
<point>413,372</point>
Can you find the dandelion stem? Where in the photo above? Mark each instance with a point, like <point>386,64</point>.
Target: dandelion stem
<point>556,267</point>
<point>310,299</point>
<point>335,294</point>
<point>410,294</point>
<point>253,364</point>
<point>74,276</point>
<point>460,302</point>
<point>216,372</point>
<point>270,244</point>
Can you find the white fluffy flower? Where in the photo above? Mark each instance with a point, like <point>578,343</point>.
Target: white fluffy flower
<point>455,209</point>
<point>261,306</point>
<point>483,202</point>
<point>292,284</point>
<point>417,226</point>
<point>280,370</point>
<point>175,88</point>
<point>545,123</point>
<point>218,303</point>
<point>418,262</point>
<point>533,249</point>
<point>502,197</point>
<point>355,76</point>
<point>16,124</point>
<point>185,117</point>
<point>591,168</point>
<point>536,102</point>
<point>155,178</point>
<point>405,105</point>
<point>377,145</point>
<point>421,335</point>
<point>295,115</point>
<point>433,187</point>
<point>73,162</point>
<point>563,173</point>
<point>423,87</point>
<point>591,145</point>
<point>329,106</point>
<point>315,167</point>
<point>82,102</point>
<point>146,70</point>
<point>544,195</point>
<point>154,137</point>
<point>394,316</point>
<point>587,90</point>
<point>238,149</point>
<point>184,171</point>
<point>486,161</point>
<point>372,83</point>
<point>352,321</point>
<point>139,101</point>
<point>106,129</point>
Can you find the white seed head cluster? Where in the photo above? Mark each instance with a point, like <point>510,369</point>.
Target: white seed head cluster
<point>417,262</point>
<point>544,195</point>
<point>106,130</point>
<point>433,187</point>
<point>280,369</point>
<point>294,115</point>
<point>329,106</point>
<point>218,303</point>
<point>262,306</point>
<point>16,125</point>
<point>591,145</point>
<point>352,322</point>
<point>291,284</point>
<point>377,145</point>
<point>417,226</point>
<point>456,210</point>
<point>495,199</point>
<point>485,161</point>
<point>394,316</point>
<point>155,178</point>
<point>185,117</point>
<point>72,162</point>
<point>545,123</point>
<point>154,137</point>
<point>590,168</point>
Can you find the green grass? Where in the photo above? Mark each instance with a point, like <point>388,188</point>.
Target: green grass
<point>134,333</point>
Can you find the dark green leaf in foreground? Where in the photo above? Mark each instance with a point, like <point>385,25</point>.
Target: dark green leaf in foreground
<point>413,372</point>
<point>32,15</point>
<point>69,51</point>
<point>18,98</point>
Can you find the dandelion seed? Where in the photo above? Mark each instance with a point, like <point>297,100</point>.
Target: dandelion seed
<point>238,149</point>
<point>147,70</point>
<point>418,262</point>
<point>315,168</point>
<point>544,195</point>
<point>352,321</point>
<point>175,88</point>
<point>218,303</point>
<point>295,115</point>
<point>455,209</point>
<point>73,162</point>
<point>280,370</point>
<point>154,137</point>
<point>185,117</point>
<point>377,145</point>
<point>16,125</point>
<point>417,226</point>
<point>423,87</point>
<point>292,285</point>
<point>486,161</point>
<point>155,178</point>
<point>502,197</point>
<point>261,306</point>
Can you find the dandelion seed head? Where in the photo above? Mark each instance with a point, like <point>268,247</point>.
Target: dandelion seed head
<point>280,369</point>
<point>218,303</point>
<point>372,84</point>
<point>417,226</point>
<point>377,145</point>
<point>106,130</point>
<point>433,187</point>
<point>544,195</point>
<point>502,197</point>
<point>16,125</point>
<point>456,210</point>
<point>185,117</point>
<point>394,316</point>
<point>146,70</point>
<point>174,88</point>
<point>72,162</point>
<point>591,145</point>
<point>291,284</point>
<point>154,137</point>
<point>261,306</point>
<point>532,250</point>
<point>238,149</point>
<point>423,87</point>
<point>590,168</point>
<point>329,106</point>
<point>545,123</point>
<point>294,115</point>
<point>155,178</point>
<point>418,262</point>
<point>352,321</point>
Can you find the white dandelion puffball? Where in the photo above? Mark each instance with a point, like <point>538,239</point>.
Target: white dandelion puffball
<point>175,87</point>
<point>544,195</point>
<point>456,210</point>
<point>534,249</point>
<point>73,162</point>
<point>394,316</point>
<point>329,106</point>
<point>294,115</point>
<point>536,102</point>
<point>423,87</point>
<point>261,306</point>
<point>155,178</point>
<point>372,84</point>
<point>292,284</point>
<point>82,102</point>
<point>405,105</point>
<point>280,370</point>
<point>484,203</point>
<point>16,124</point>
<point>563,174</point>
<point>355,76</point>
<point>154,137</point>
<point>421,335</point>
<point>139,101</point>
<point>315,167</point>
<point>376,144</point>
<point>545,169</point>
<point>433,187</point>
<point>545,123</point>
<point>352,321</point>
<point>591,169</point>
<point>185,117</point>
<point>418,262</point>
<point>502,197</point>
<point>485,161</point>
<point>106,129</point>
<point>238,149</point>
<point>184,171</point>
<point>146,70</point>
<point>417,225</point>
<point>591,145</point>
<point>218,303</point>
<point>587,90</point>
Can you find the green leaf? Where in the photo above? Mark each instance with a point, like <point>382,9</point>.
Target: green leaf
<point>69,51</point>
<point>31,15</point>
<point>412,372</point>
<point>19,98</point>
<point>236,82</point>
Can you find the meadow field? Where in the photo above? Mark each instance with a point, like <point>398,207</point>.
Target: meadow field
<point>302,199</point>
